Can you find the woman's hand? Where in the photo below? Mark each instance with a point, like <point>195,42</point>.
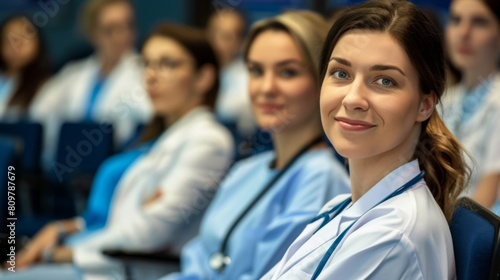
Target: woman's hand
<point>32,253</point>
<point>62,254</point>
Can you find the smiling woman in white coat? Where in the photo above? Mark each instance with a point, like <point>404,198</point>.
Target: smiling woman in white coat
<point>159,202</point>
<point>383,73</point>
<point>105,87</point>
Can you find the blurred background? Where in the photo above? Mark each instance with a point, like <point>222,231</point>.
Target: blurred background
<point>58,19</point>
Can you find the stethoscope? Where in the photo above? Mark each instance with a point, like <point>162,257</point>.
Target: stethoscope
<point>219,260</point>
<point>327,217</point>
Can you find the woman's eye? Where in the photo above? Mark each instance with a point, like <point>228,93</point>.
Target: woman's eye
<point>385,82</point>
<point>481,22</point>
<point>454,20</point>
<point>288,73</point>
<point>167,64</point>
<point>339,74</point>
<point>254,71</point>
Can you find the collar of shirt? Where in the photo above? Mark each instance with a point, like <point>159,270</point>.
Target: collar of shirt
<point>309,241</point>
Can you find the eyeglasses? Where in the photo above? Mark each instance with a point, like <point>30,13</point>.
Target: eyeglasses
<point>163,65</point>
<point>116,28</point>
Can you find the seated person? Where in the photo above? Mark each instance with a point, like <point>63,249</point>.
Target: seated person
<point>383,72</point>
<point>104,88</point>
<point>266,200</point>
<point>24,66</point>
<point>156,204</point>
<point>471,107</point>
<point>226,31</point>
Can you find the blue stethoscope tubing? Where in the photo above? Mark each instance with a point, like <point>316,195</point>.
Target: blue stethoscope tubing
<point>340,207</point>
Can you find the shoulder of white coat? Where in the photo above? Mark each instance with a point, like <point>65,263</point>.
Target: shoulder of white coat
<point>207,129</point>
<point>494,99</point>
<point>76,66</point>
<point>414,212</point>
<point>451,96</point>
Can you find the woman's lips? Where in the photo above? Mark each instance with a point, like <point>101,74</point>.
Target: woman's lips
<point>464,50</point>
<point>153,94</point>
<point>353,125</point>
<point>270,108</point>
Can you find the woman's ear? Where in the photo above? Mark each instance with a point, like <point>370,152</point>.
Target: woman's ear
<point>427,106</point>
<point>205,79</point>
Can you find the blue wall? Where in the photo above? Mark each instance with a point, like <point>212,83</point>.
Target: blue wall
<point>58,22</point>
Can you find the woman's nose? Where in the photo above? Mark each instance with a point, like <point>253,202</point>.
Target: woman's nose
<point>355,98</point>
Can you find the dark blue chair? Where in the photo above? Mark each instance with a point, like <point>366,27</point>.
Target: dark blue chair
<point>28,136</point>
<point>27,139</point>
<point>7,158</point>
<point>476,241</point>
<point>81,149</point>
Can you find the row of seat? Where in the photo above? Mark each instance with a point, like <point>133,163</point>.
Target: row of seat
<point>60,189</point>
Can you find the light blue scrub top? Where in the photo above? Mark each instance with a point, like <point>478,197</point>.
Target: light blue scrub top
<point>264,234</point>
<point>6,88</point>
<point>94,94</point>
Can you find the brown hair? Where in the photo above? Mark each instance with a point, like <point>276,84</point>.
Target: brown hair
<point>439,153</point>
<point>308,29</point>
<point>195,42</point>
<point>35,73</point>
<point>494,6</point>
<point>91,11</point>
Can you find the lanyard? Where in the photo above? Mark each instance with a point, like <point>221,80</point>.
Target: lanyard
<point>337,209</point>
<point>219,260</point>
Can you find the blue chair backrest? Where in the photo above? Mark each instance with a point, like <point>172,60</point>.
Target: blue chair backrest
<point>82,147</point>
<point>29,136</point>
<point>7,155</point>
<point>476,241</point>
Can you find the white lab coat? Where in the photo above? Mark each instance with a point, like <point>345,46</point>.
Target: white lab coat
<point>186,164</point>
<point>406,237</point>
<point>480,135</point>
<point>122,101</point>
<point>233,101</point>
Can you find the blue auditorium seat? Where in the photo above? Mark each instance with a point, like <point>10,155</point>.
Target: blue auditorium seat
<point>476,240</point>
<point>28,138</point>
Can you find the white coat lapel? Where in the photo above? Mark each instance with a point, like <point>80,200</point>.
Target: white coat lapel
<point>308,242</point>
<point>79,87</point>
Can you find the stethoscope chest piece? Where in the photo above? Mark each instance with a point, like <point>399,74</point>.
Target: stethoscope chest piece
<point>219,261</point>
